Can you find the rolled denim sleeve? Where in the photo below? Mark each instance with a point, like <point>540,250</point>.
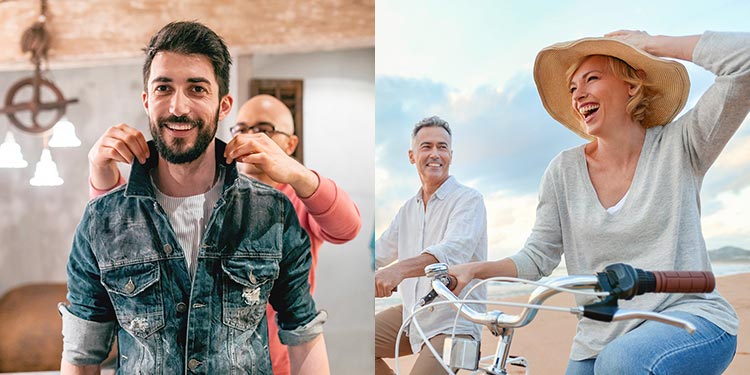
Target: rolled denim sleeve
<point>290,296</point>
<point>304,333</point>
<point>85,342</point>
<point>89,321</point>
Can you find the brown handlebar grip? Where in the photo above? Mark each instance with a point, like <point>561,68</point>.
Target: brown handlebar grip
<point>684,281</point>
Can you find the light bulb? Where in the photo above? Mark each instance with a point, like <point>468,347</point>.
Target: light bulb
<point>46,171</point>
<point>64,134</point>
<point>10,153</point>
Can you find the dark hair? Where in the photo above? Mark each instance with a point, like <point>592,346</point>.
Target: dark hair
<point>432,121</point>
<point>190,38</point>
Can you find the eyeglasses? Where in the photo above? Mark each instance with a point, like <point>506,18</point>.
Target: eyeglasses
<point>266,128</point>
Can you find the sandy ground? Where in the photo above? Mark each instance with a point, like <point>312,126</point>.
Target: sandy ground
<point>546,341</point>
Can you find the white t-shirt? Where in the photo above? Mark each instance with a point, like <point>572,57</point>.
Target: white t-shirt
<point>189,217</point>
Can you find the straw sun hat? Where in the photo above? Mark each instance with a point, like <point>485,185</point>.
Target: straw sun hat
<point>669,79</point>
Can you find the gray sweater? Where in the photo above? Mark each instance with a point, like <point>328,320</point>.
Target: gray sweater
<point>658,227</point>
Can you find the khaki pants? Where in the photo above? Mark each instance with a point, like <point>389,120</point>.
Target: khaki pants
<point>387,323</point>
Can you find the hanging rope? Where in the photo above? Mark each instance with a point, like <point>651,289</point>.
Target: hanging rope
<point>36,39</point>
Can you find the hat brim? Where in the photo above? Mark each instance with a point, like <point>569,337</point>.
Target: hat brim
<point>669,79</point>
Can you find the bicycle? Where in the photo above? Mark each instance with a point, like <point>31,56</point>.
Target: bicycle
<point>617,281</point>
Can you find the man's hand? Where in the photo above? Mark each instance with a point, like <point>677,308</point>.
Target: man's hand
<point>120,143</point>
<point>386,281</point>
<point>262,152</point>
<point>388,278</point>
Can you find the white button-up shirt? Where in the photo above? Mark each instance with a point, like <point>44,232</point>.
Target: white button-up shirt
<point>453,228</point>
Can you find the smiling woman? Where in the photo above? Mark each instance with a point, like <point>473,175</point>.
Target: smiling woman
<point>630,192</point>
<point>602,198</point>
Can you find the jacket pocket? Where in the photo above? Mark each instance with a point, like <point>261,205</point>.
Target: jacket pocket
<point>247,286</point>
<point>136,295</point>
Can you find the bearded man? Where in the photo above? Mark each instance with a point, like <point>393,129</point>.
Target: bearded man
<point>180,262</point>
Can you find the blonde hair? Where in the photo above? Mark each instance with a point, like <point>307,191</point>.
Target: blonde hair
<point>645,92</point>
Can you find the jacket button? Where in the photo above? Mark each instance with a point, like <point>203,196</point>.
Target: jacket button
<point>130,286</point>
<point>194,363</point>
<point>168,249</point>
<point>181,307</point>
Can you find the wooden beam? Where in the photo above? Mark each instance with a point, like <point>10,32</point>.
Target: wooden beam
<point>89,31</point>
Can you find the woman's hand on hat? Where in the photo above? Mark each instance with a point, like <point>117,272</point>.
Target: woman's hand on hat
<point>636,38</point>
<point>679,47</point>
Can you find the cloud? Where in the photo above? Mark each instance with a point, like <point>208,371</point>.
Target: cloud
<point>400,104</point>
<point>730,172</point>
<point>737,153</point>
<point>510,219</point>
<point>728,225</point>
<point>506,137</point>
<point>502,138</point>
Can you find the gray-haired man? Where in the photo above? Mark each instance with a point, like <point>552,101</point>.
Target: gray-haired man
<point>444,222</point>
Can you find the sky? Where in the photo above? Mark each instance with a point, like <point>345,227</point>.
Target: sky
<point>471,64</point>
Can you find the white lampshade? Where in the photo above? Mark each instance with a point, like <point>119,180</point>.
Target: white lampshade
<point>46,171</point>
<point>10,153</point>
<point>64,134</point>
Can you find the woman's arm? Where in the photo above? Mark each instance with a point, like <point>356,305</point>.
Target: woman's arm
<point>466,272</point>
<point>678,47</point>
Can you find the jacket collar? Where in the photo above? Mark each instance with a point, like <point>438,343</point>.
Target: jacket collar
<point>139,183</point>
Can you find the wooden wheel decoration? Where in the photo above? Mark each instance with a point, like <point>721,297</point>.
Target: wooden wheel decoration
<point>35,40</point>
<point>36,106</point>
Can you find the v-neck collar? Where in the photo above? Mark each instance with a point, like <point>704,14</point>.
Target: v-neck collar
<point>633,184</point>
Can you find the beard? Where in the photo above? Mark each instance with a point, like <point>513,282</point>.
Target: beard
<point>178,152</point>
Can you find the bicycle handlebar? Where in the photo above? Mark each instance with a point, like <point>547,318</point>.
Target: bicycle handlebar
<point>620,280</point>
<point>625,282</point>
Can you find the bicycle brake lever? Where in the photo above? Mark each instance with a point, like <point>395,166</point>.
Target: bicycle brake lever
<point>648,315</point>
<point>447,280</point>
<point>427,298</point>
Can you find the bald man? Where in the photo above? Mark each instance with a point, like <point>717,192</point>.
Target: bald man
<point>263,140</point>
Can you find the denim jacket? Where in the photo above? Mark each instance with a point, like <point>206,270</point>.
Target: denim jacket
<point>127,276</point>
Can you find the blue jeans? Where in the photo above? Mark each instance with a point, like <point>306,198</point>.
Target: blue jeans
<point>657,348</point>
